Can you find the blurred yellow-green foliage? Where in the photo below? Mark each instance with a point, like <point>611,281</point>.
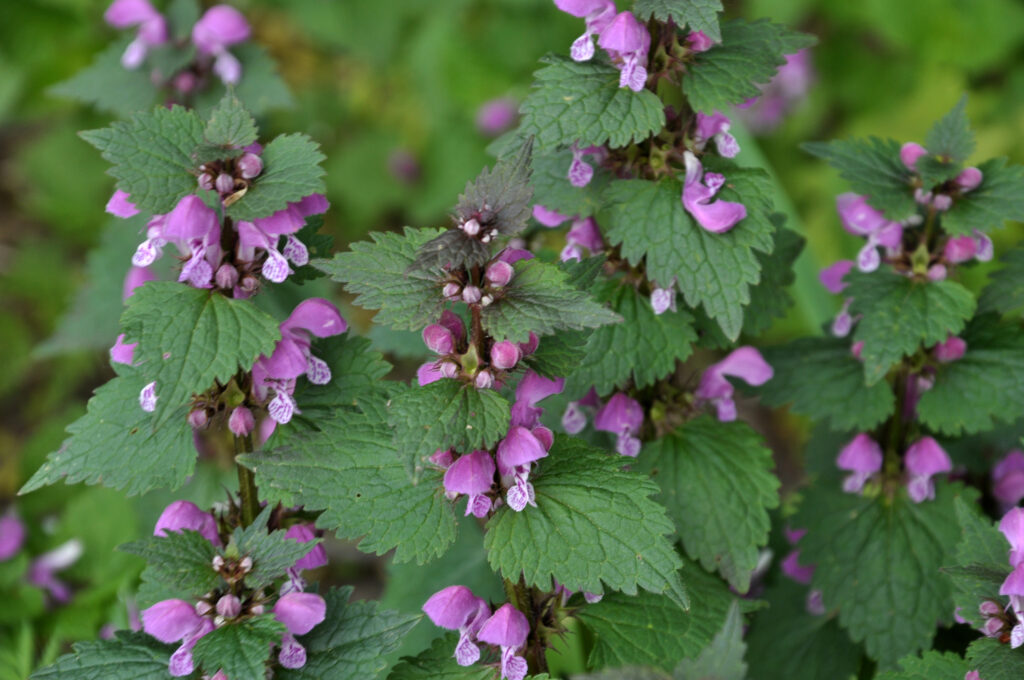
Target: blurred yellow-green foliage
<point>377,83</point>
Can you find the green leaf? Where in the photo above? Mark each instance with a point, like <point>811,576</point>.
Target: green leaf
<point>559,354</point>
<point>357,372</point>
<point>994,660</point>
<point>650,630</point>
<point>541,299</point>
<point>291,171</point>
<point>981,563</point>
<point>189,337</point>
<point>272,554</point>
<point>873,168</point>
<point>230,125</point>
<point>1005,293</point>
<point>999,197</point>
<point>822,379</point>
<point>791,644</point>
<point>714,270</point>
<point>376,273</point>
<point>438,663</point>
<point>180,562</point>
<point>261,88</point>
<point>240,649</point>
<point>352,641</point>
<point>902,314</point>
<point>985,385</point>
<point>878,561</point>
<point>129,656</point>
<point>109,86</point>
<point>951,137</point>
<point>594,527</point>
<point>716,482</point>
<point>552,189</point>
<point>769,299</point>
<point>643,348</point>
<point>582,102</point>
<point>350,470</point>
<point>152,155</point>
<point>723,658</point>
<point>930,666</point>
<point>748,55</point>
<point>114,444</point>
<point>695,15</point>
<point>446,414</point>
<point>502,192</point>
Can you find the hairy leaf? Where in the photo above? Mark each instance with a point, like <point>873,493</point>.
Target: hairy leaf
<point>994,660</point>
<point>552,189</point>
<point>930,666</point>
<point>873,168</point>
<point>981,563</point>
<point>240,649</point>
<point>1005,293</point>
<point>179,562</point>
<point>438,663</point>
<point>501,195</point>
<point>999,197</point>
<point>108,85</point>
<point>694,15</point>
<point>291,171</point>
<point>128,656</point>
<point>230,125</point>
<point>723,658</point>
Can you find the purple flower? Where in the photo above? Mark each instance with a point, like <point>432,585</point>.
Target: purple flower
<point>531,389</point>
<point>832,277</point>
<point>780,95</point>
<point>910,153</point>
<point>968,179</point>
<point>745,363</point>
<point>176,621</point>
<point>300,613</point>
<point>136,276</point>
<point>152,28</point>
<point>499,273</point>
<point>457,608</point>
<point>120,206</point>
<point>241,421</point>
<point>473,475</point>
<point>265,233</point>
<point>12,535</point>
<point>219,28</point>
<point>598,15</point>
<point>304,533</point>
<point>697,41</point>
<point>438,339</point>
<point>548,217</point>
<point>715,216</point>
<point>580,172</point>
<point>497,116</point>
<point>1012,526</point>
<point>292,356</point>
<point>1014,587</point>
<point>147,397</point>
<point>792,568</point>
<point>1008,479</point>
<point>123,352</point>
<point>716,127</point>
<point>508,629</point>
<point>623,417</point>
<point>505,355</point>
<point>515,454</point>
<point>664,299</point>
<point>985,250</point>
<point>584,233</point>
<point>960,249</point>
<point>574,419</point>
<point>924,459</point>
<point>43,569</point>
<point>860,219</point>
<point>181,515</point>
<point>863,457</point>
<point>626,40</point>
<point>949,350</point>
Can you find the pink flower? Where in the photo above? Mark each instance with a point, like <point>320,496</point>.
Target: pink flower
<point>497,115</point>
<point>697,41</point>
<point>832,276</point>
<point>531,389</point>
<point>12,535</point>
<point>716,127</point>
<point>924,459</point>
<point>949,350</point>
<point>473,475</point>
<point>1008,479</point>
<point>508,629</point>
<point>584,234</point>
<point>181,515</point>
<point>219,28</point>
<point>863,457</point>
<point>715,216</point>
<point>626,40</point>
<point>598,15</point>
<point>860,219</point>
<point>745,363</point>
<point>152,29</point>
<point>176,621</point>
<point>548,217</point>
<point>515,454</point>
<point>457,608</point>
<point>300,613</point>
<point>622,416</point>
<point>910,153</point>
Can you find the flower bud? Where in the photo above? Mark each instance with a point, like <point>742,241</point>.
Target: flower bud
<point>438,339</point>
<point>937,272</point>
<point>486,300</point>
<point>250,283</point>
<point>245,565</point>
<point>218,562</point>
<point>449,369</point>
<point>960,249</point>
<point>968,179</point>
<point>226,276</point>
<point>471,294</point>
<point>992,627</point>
<point>505,355</point>
<point>203,607</point>
<point>229,606</point>
<point>484,380</point>
<point>206,181</point>
<point>471,227</point>
<point>241,421</point>
<point>990,608</point>
<point>452,291</point>
<point>530,346</point>
<point>185,82</point>
<point>225,183</point>
<point>249,165</point>
<point>499,274</point>
<point>951,349</point>
<point>942,202</point>
<point>197,418</point>
<point>910,153</point>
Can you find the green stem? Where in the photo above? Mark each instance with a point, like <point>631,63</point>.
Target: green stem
<point>247,492</point>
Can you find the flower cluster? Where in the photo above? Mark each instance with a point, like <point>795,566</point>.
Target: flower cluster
<point>220,27</point>
<point>862,457</point>
<point>186,622</point>
<point>1007,624</point>
<point>620,35</point>
<point>457,608</point>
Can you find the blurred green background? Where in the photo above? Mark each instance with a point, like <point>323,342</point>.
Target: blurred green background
<point>391,89</point>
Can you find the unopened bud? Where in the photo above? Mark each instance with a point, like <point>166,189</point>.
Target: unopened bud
<point>241,421</point>
<point>499,274</point>
<point>250,284</point>
<point>256,609</point>
<point>218,562</point>
<point>992,627</point>
<point>471,294</point>
<point>969,178</point>
<point>505,355</point>
<point>452,291</point>
<point>245,565</point>
<point>449,369</point>
<point>185,82</point>
<point>937,272</point>
<point>530,346</point>
<point>249,165</point>
<point>203,607</point>
<point>225,183</point>
<point>229,606</point>
<point>471,227</point>
<point>197,418</point>
<point>990,608</point>
<point>206,182</point>
<point>226,276</point>
<point>483,380</point>
<point>438,339</point>
<point>942,202</point>
<point>486,300</point>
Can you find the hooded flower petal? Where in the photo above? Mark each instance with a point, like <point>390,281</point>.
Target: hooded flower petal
<point>12,535</point>
<point>181,515</point>
<point>219,27</point>
<point>546,216</point>
<point>832,277</point>
<point>300,612</point>
<point>863,457</point>
<point>120,206</point>
<point>303,533</point>
<point>452,608</point>
<point>1012,526</point>
<point>924,459</point>
<point>715,216</point>
<point>171,620</point>
<point>508,627</point>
